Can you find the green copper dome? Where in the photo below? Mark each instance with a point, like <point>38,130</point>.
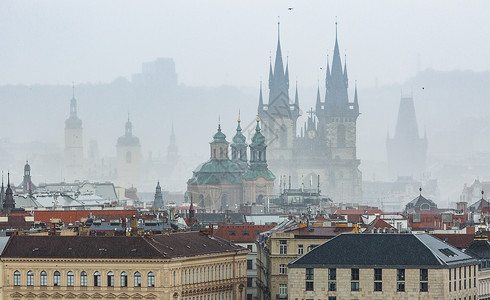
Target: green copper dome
<point>239,138</point>
<point>219,137</point>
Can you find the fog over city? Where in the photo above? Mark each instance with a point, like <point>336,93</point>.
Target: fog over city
<point>435,52</point>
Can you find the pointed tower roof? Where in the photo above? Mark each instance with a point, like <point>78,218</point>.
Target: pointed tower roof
<point>239,138</point>
<point>279,74</point>
<point>261,100</point>
<point>406,124</point>
<point>356,100</point>
<point>73,122</point>
<point>258,138</point>
<point>296,98</point>
<point>318,99</point>
<point>336,97</point>
<point>346,77</point>
<point>219,137</point>
<point>128,139</point>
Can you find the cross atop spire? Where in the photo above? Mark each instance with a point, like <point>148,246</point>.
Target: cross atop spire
<point>73,88</point>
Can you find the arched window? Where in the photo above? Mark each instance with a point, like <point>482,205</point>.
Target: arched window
<point>175,278</point>
<point>30,278</point>
<point>124,279</point>
<point>56,278</point>
<point>70,279</point>
<point>110,278</point>
<point>17,278</point>
<point>151,279</point>
<point>137,279</point>
<point>341,136</point>
<point>97,278</point>
<point>128,157</point>
<point>43,278</point>
<point>83,278</point>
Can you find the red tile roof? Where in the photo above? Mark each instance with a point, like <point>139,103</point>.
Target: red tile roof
<point>245,233</point>
<point>460,241</point>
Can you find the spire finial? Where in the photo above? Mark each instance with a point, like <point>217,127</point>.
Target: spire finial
<point>239,116</point>
<point>336,27</point>
<point>8,178</point>
<point>73,88</point>
<point>258,119</point>
<point>420,191</point>
<point>482,192</point>
<point>128,115</point>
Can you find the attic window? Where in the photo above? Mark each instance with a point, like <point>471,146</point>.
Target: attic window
<point>231,233</point>
<point>188,246</point>
<point>133,250</point>
<point>448,252</point>
<point>244,232</point>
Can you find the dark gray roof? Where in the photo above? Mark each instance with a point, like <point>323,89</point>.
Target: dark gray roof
<point>160,246</point>
<point>383,251</point>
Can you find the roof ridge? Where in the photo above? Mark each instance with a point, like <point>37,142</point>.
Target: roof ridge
<point>430,249</point>
<point>147,240</point>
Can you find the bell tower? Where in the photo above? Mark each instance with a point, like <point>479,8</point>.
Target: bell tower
<point>73,144</point>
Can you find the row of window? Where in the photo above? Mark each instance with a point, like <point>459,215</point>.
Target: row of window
<point>377,276</point>
<point>211,273</point>
<point>70,279</point>
<point>283,247</point>
<point>218,296</point>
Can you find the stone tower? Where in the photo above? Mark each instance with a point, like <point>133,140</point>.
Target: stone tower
<point>73,144</point>
<point>9,203</point>
<point>279,114</point>
<point>26,182</point>
<point>239,147</point>
<point>128,158</point>
<point>258,180</point>
<point>337,122</point>
<point>172,150</point>
<point>407,151</point>
<point>158,200</point>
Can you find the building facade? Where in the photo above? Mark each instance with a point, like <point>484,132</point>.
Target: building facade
<point>224,183</point>
<point>73,144</point>
<point>281,245</point>
<point>326,147</point>
<point>383,266</point>
<point>188,265</point>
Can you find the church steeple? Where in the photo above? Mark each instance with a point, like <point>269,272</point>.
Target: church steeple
<point>73,103</point>
<point>261,100</point>
<point>258,147</point>
<point>158,200</point>
<point>9,203</point>
<point>318,99</point>
<point>129,127</point>
<point>2,193</point>
<point>239,147</point>
<point>296,98</point>
<point>172,150</point>
<point>336,83</point>
<point>219,145</point>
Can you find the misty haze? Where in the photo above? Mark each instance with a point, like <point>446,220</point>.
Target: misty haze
<point>249,150</point>
<point>185,66</point>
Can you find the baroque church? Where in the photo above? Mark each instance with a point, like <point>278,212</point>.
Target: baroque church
<point>326,145</point>
<point>224,183</point>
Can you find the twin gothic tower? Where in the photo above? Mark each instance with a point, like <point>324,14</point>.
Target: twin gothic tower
<point>326,145</point>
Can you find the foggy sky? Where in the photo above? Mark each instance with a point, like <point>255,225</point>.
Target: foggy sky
<point>229,42</point>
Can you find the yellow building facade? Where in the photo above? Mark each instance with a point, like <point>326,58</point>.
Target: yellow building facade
<point>187,265</point>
